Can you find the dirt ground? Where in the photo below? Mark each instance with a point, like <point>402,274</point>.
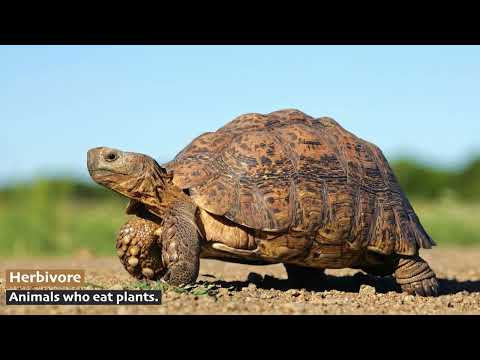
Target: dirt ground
<point>244,289</point>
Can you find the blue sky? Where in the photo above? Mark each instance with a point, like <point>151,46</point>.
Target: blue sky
<point>56,102</point>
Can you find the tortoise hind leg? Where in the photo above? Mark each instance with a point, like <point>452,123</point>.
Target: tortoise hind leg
<point>300,277</point>
<point>415,276</point>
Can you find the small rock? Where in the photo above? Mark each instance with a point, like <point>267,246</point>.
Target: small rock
<point>266,296</point>
<point>367,290</point>
<point>293,292</point>
<point>251,286</point>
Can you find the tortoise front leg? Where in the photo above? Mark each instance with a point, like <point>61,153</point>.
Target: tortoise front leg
<point>414,276</point>
<point>138,248</point>
<point>181,245</point>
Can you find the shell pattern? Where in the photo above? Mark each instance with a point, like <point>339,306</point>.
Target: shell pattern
<point>287,172</point>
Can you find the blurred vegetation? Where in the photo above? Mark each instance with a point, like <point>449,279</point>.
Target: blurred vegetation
<point>60,216</point>
<point>429,183</point>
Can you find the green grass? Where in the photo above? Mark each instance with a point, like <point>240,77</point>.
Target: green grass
<point>450,222</point>
<point>47,219</point>
<point>62,228</point>
<point>200,288</point>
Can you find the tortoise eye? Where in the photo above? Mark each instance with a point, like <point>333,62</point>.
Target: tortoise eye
<point>111,156</point>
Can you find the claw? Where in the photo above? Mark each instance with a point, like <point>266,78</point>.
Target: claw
<point>433,287</point>
<point>420,290</point>
<point>415,276</point>
<point>426,287</point>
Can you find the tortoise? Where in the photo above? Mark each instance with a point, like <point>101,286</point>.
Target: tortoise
<point>283,187</point>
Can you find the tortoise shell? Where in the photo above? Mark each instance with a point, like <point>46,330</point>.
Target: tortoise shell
<point>289,172</point>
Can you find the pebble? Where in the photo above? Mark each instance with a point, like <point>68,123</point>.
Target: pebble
<point>367,290</point>
<point>266,296</point>
<point>293,292</point>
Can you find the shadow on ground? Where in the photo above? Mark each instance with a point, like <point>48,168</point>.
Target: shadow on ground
<point>345,283</point>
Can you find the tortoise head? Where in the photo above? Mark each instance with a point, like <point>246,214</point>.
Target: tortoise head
<point>136,176</point>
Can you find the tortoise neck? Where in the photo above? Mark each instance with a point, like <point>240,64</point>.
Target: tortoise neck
<point>154,190</point>
<point>164,195</point>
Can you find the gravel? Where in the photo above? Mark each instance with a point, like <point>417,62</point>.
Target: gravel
<point>226,288</point>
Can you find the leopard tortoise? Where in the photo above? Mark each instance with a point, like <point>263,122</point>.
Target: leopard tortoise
<point>278,188</point>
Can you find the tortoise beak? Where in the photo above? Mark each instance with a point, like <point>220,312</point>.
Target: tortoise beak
<point>92,159</point>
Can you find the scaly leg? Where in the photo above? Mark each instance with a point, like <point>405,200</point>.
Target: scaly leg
<point>180,240</point>
<point>138,249</point>
<point>415,276</point>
